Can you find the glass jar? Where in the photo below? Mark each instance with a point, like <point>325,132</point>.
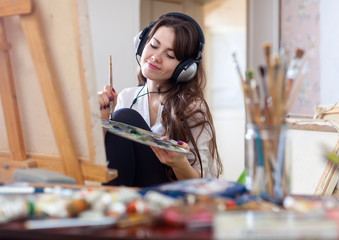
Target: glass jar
<point>267,167</point>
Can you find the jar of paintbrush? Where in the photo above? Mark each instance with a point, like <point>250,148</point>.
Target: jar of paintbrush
<point>267,98</point>
<point>267,161</point>
<point>267,166</point>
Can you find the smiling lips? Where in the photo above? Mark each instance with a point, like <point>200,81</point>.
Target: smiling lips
<point>152,66</point>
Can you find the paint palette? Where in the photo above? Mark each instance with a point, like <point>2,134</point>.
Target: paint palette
<point>141,136</point>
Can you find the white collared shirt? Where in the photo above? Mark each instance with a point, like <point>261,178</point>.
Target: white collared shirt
<point>125,99</point>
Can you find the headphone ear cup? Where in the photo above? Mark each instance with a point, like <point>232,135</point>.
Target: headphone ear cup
<point>140,40</point>
<point>137,42</point>
<point>185,71</point>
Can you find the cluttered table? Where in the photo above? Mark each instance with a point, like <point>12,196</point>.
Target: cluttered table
<point>191,209</point>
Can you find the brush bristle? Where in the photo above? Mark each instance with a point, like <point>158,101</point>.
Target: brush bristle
<point>267,48</point>
<point>299,53</point>
<point>262,71</point>
<point>276,61</point>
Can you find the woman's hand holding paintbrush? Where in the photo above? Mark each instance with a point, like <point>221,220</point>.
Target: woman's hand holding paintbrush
<point>108,97</point>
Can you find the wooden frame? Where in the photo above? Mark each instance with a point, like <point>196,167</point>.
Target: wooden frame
<point>328,174</point>
<point>93,165</point>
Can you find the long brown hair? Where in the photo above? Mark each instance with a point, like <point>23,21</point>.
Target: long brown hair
<point>186,100</point>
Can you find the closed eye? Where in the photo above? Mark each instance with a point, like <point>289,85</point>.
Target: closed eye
<point>170,56</point>
<point>154,44</point>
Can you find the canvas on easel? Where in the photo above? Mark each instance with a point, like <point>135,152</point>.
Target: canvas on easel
<point>312,173</point>
<point>49,116</point>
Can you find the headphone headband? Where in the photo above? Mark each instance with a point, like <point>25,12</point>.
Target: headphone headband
<point>188,18</point>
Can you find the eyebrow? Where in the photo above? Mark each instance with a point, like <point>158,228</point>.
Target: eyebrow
<point>171,49</point>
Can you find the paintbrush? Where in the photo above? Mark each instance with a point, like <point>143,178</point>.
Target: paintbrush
<point>276,68</point>
<point>296,86</point>
<point>262,145</point>
<point>293,71</point>
<point>269,112</point>
<point>278,112</point>
<point>111,85</point>
<point>270,80</point>
<point>254,97</point>
<point>264,92</point>
<point>245,89</point>
<point>295,64</point>
<point>279,101</point>
<point>276,91</point>
<point>237,67</point>
<point>266,98</point>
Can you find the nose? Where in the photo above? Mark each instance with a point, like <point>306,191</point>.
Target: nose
<point>156,57</point>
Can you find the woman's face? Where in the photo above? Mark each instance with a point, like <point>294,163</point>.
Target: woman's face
<point>158,60</point>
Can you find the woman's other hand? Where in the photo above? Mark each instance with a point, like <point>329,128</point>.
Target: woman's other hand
<point>177,161</point>
<point>105,97</point>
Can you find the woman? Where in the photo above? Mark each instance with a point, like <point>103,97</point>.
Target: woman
<point>169,101</point>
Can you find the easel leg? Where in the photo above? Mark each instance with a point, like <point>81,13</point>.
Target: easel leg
<point>48,85</point>
<point>9,101</point>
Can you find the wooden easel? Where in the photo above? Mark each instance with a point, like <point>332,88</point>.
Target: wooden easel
<point>329,178</point>
<point>70,165</point>
<point>324,171</point>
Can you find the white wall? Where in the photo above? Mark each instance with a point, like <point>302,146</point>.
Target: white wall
<point>114,24</point>
<point>225,33</point>
<point>263,27</point>
<point>329,51</point>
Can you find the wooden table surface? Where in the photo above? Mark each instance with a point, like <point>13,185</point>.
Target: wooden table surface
<point>15,230</point>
